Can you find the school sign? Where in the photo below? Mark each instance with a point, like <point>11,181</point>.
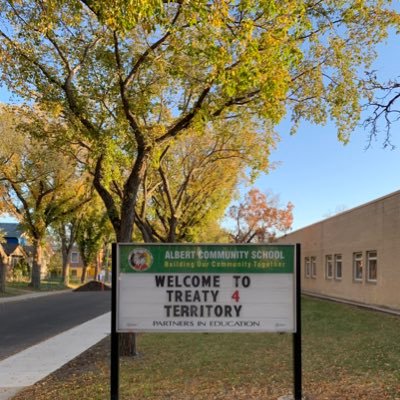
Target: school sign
<point>205,288</point>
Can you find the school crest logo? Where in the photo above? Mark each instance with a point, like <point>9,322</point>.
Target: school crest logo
<point>140,259</point>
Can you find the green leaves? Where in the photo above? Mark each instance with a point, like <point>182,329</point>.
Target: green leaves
<point>124,15</point>
<point>38,184</point>
<point>93,231</point>
<point>127,78</point>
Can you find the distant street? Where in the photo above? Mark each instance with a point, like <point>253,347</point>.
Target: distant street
<point>28,322</point>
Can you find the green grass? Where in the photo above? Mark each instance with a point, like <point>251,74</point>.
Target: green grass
<point>340,344</point>
<point>210,364</point>
<point>351,338</point>
<point>19,288</point>
<point>348,353</point>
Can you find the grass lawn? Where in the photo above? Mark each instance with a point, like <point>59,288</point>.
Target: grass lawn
<point>18,288</point>
<point>348,353</point>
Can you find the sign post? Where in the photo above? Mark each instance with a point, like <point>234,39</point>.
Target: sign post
<point>297,357</point>
<point>204,288</point>
<point>114,370</point>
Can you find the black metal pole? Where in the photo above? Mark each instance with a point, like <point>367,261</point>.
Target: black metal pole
<point>114,370</point>
<point>297,335</point>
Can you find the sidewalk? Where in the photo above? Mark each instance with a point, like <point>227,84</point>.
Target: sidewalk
<point>35,363</point>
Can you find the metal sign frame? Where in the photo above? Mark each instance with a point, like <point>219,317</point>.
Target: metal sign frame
<point>297,350</point>
<point>150,276</point>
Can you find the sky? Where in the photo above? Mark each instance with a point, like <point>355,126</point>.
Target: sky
<point>320,175</point>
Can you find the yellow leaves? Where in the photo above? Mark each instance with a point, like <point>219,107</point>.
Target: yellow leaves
<point>124,15</point>
<point>45,183</point>
<point>248,60</point>
<point>55,109</point>
<point>218,13</point>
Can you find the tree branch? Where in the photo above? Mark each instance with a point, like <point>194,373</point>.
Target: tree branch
<point>140,139</point>
<point>106,196</point>
<point>150,49</point>
<point>184,122</point>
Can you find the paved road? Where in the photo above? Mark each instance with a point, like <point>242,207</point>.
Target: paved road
<point>27,322</point>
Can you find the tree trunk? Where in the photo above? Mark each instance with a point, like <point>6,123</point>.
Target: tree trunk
<point>67,242</point>
<point>65,266</point>
<point>3,274</point>
<point>123,225</point>
<point>37,265</point>
<point>65,272</point>
<point>127,344</point>
<point>127,341</point>
<point>173,223</point>
<point>84,273</point>
<point>97,267</point>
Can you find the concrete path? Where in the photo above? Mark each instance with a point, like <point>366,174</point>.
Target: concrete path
<point>29,322</point>
<point>36,362</point>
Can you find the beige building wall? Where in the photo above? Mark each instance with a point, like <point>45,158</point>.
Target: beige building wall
<point>372,227</point>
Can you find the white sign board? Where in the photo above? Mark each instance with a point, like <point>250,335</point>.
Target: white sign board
<point>205,288</point>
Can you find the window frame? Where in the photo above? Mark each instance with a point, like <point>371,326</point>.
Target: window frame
<point>329,260</point>
<point>358,257</point>
<point>313,267</point>
<point>74,261</point>
<point>338,257</point>
<point>374,258</point>
<point>307,267</point>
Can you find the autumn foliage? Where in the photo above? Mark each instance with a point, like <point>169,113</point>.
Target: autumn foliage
<point>126,79</point>
<point>258,218</point>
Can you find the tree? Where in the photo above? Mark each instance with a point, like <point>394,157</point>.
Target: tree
<point>258,219</point>
<point>193,182</point>
<point>383,101</point>
<point>38,185</point>
<point>93,231</point>
<point>130,77</point>
<point>66,231</point>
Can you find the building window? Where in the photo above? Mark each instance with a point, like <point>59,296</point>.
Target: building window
<point>338,266</point>
<point>358,266</point>
<point>307,267</point>
<point>313,263</point>
<point>372,266</point>
<point>328,266</point>
<point>74,257</point>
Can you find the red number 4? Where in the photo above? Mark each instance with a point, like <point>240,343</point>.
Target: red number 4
<point>236,296</point>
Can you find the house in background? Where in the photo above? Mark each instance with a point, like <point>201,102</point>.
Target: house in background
<point>13,233</point>
<point>14,240</point>
<point>17,246</point>
<point>14,253</point>
<point>75,263</point>
<point>103,260</point>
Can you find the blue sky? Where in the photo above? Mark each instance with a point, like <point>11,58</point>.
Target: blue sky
<point>318,174</point>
